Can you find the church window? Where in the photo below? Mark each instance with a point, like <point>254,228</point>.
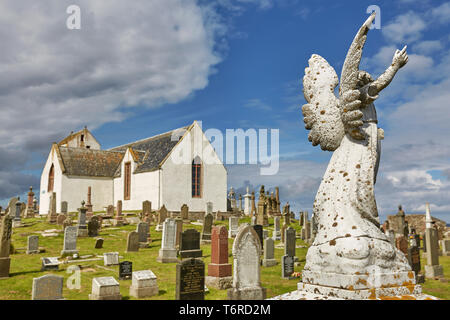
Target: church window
<point>51,178</point>
<point>196,178</point>
<point>127,181</point>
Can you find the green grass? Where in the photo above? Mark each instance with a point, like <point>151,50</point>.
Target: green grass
<point>26,267</point>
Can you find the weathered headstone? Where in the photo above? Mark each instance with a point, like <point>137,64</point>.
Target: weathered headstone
<point>50,263</point>
<point>70,241</point>
<point>207,226</point>
<point>33,244</point>
<point>277,231</point>
<point>265,234</point>
<point>253,220</point>
<point>190,244</point>
<point>287,261</point>
<point>246,271</point>
<point>111,258</point>
<point>105,288</point>
<point>118,218</point>
<point>64,207</point>
<point>259,231</point>
<point>414,259</point>
<point>146,208</point>
<point>233,225</point>
<point>446,247</point>
<point>89,206</point>
<point>5,245</point>
<point>402,244</point>
<point>29,213</point>
<point>144,284</point>
<point>99,243</point>
<point>168,253</point>
<point>185,213</point>
<point>133,242</point>
<point>82,227</point>
<point>432,268</point>
<point>48,287</point>
<point>60,219</point>
<point>125,270</point>
<point>179,230</point>
<point>162,216</point>
<point>219,270</point>
<point>143,229</point>
<point>269,253</point>
<point>17,222</point>
<point>51,217</point>
<point>93,226</point>
<point>190,280</point>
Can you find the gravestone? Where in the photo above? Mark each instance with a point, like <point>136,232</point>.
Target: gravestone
<point>146,208</point>
<point>190,280</point>
<point>446,247</point>
<point>143,229</point>
<point>110,211</point>
<point>168,253</point>
<point>185,213</point>
<point>247,267</point>
<point>207,226</point>
<point>233,223</point>
<point>402,244</point>
<point>125,270</point>
<point>277,232</point>
<point>64,207</point>
<point>60,219</point>
<point>82,227</point>
<point>269,253</point>
<point>190,244</point>
<point>89,205</point>
<point>259,231</point>
<point>219,270</point>
<point>17,222</point>
<point>5,245</point>
<point>432,268</point>
<point>50,263</point>
<point>111,258</point>
<point>99,243</point>
<point>287,261</point>
<point>11,209</point>
<point>48,287</point>
<point>162,216</point>
<point>414,259</point>
<point>253,220</point>
<point>144,284</point>
<point>93,226</point>
<point>118,218</point>
<point>105,288</point>
<point>32,244</point>
<point>179,230</point>
<point>133,242</point>
<point>67,222</point>
<point>51,217</point>
<point>70,241</point>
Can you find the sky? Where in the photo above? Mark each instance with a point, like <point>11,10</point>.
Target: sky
<point>137,69</point>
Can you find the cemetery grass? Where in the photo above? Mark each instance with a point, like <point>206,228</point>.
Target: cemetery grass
<point>26,267</point>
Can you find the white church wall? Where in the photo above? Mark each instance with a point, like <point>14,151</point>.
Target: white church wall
<point>144,186</point>
<point>176,175</point>
<point>44,196</point>
<point>75,189</point>
<point>88,140</point>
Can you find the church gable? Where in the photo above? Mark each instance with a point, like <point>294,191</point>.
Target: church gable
<point>81,139</point>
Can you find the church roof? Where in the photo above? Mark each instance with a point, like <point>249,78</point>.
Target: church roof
<point>150,152</point>
<point>89,162</point>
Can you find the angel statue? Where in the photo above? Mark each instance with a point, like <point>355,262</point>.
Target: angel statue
<point>348,240</point>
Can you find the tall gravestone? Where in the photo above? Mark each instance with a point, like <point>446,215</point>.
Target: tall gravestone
<point>93,226</point>
<point>70,241</point>
<point>5,245</point>
<point>82,226</point>
<point>190,280</point>
<point>143,230</point>
<point>118,218</point>
<point>64,207</point>
<point>247,199</point>
<point>89,206</point>
<point>48,287</point>
<point>287,261</point>
<point>185,213</point>
<point>51,217</point>
<point>179,230</point>
<point>246,267</point>
<point>269,253</point>
<point>168,252</point>
<point>259,231</point>
<point>432,268</point>
<point>277,230</point>
<point>29,209</point>
<point>207,226</point>
<point>17,222</point>
<point>219,270</point>
<point>190,244</point>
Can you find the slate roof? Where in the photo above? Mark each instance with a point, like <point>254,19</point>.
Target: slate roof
<point>89,162</point>
<point>151,151</point>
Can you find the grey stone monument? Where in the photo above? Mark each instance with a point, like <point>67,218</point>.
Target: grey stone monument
<point>144,284</point>
<point>105,288</point>
<point>33,244</point>
<point>168,252</point>
<point>70,241</point>
<point>269,253</point>
<point>48,287</point>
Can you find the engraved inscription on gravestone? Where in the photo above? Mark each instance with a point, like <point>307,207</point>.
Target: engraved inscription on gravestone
<point>125,270</point>
<point>190,283</point>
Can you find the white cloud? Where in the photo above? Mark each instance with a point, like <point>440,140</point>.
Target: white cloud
<point>405,28</point>
<point>257,104</point>
<point>428,46</point>
<point>441,13</point>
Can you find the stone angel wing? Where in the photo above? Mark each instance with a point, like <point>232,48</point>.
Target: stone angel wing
<point>321,114</point>
<point>328,117</point>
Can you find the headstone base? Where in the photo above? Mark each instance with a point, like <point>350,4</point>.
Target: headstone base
<point>433,271</point>
<point>191,253</point>
<point>220,283</point>
<point>167,256</point>
<point>65,253</point>
<point>246,294</point>
<point>269,262</point>
<point>82,233</point>
<point>144,244</point>
<point>5,264</point>
<point>33,251</point>
<point>143,292</point>
<point>104,297</point>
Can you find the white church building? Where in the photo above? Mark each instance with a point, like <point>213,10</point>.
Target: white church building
<point>173,168</point>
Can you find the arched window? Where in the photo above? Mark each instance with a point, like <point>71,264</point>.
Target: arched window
<point>196,178</point>
<point>51,179</point>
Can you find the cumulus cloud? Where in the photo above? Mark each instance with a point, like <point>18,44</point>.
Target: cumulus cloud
<point>407,27</point>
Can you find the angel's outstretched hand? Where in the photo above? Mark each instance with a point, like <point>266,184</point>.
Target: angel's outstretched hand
<point>400,57</point>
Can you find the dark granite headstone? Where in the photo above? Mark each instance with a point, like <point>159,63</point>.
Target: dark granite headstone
<point>99,243</point>
<point>93,226</point>
<point>414,259</point>
<point>125,270</point>
<point>259,231</point>
<point>289,242</point>
<point>190,279</point>
<point>287,267</point>
<point>190,244</point>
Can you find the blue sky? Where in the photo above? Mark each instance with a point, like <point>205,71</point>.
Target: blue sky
<point>231,64</point>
